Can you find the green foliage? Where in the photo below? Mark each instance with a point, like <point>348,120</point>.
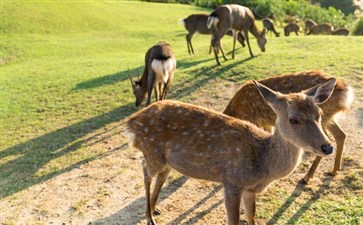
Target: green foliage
<point>358,29</point>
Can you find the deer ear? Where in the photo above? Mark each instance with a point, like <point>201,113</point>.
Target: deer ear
<point>321,92</point>
<point>132,81</point>
<point>270,97</point>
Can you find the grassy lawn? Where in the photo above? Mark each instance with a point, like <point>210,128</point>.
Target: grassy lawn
<point>64,75</point>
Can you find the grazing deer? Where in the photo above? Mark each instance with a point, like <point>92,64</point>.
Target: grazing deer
<point>268,24</point>
<point>207,145</point>
<point>341,31</point>
<point>197,23</point>
<point>322,28</point>
<point>292,27</point>
<point>308,24</point>
<point>236,18</point>
<point>248,105</point>
<point>160,64</point>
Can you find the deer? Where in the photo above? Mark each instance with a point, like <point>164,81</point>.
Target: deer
<point>322,28</point>
<point>246,104</point>
<point>268,24</point>
<point>292,27</point>
<point>197,23</point>
<point>308,24</point>
<point>341,31</point>
<point>160,65</point>
<point>236,18</point>
<point>205,144</point>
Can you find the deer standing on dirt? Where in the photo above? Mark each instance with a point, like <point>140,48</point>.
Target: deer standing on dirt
<point>341,31</point>
<point>197,23</point>
<point>292,27</point>
<point>247,104</point>
<point>308,24</point>
<point>160,64</point>
<point>268,24</point>
<point>237,18</point>
<point>204,144</point>
<point>322,28</point>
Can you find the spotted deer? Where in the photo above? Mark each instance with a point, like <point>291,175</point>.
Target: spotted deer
<point>208,145</point>
<point>237,18</point>
<point>322,28</point>
<point>269,25</point>
<point>160,64</point>
<point>308,24</point>
<point>248,105</point>
<point>197,23</point>
<point>292,27</point>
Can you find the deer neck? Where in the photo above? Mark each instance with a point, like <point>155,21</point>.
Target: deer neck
<point>282,156</point>
<point>143,79</point>
<point>254,30</point>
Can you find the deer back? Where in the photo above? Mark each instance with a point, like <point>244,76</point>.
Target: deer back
<point>321,28</point>
<point>197,23</point>
<point>247,104</point>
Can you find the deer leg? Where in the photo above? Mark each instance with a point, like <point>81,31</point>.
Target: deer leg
<point>234,42</point>
<point>232,201</point>
<point>147,183</point>
<point>188,43</point>
<point>245,33</point>
<point>249,204</point>
<point>312,170</point>
<point>150,86</point>
<point>215,49</point>
<point>224,56</point>
<point>160,180</point>
<point>340,138</point>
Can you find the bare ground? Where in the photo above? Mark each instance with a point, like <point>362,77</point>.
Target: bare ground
<point>109,189</point>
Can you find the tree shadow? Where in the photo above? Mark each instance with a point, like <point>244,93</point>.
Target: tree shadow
<point>21,172</point>
<point>109,79</point>
<point>136,209</point>
<point>294,195</point>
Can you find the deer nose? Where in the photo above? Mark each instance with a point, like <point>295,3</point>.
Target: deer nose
<point>327,149</point>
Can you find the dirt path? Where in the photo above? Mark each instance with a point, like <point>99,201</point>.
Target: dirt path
<point>109,189</point>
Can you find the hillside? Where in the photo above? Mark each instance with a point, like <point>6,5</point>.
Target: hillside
<point>65,94</point>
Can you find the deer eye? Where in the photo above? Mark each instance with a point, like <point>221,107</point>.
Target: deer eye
<point>294,121</point>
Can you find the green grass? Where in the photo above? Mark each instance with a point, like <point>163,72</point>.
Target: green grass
<point>64,75</point>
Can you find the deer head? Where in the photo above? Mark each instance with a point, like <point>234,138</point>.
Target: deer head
<point>299,117</point>
<point>262,40</point>
<point>138,90</point>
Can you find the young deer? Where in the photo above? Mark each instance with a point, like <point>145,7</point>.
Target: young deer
<point>308,24</point>
<point>268,24</point>
<point>237,18</point>
<point>160,64</point>
<point>197,23</point>
<point>292,27</point>
<point>341,31</point>
<point>204,144</point>
<point>246,104</point>
<point>323,28</point>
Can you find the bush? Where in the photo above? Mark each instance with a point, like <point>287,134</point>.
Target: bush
<point>358,29</point>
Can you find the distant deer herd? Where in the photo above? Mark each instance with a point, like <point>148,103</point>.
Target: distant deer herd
<point>260,136</point>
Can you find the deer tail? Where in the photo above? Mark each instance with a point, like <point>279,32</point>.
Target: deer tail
<point>181,22</point>
<point>212,20</point>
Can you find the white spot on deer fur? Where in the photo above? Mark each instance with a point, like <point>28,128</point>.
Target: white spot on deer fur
<point>146,129</point>
<point>206,124</point>
<point>186,133</point>
<point>238,149</point>
<point>130,136</point>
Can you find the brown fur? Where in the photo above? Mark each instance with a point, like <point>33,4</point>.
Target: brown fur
<point>238,18</point>
<point>322,28</point>
<point>341,31</point>
<point>292,27</point>
<point>247,104</point>
<point>308,24</point>
<point>204,144</point>
<point>197,23</point>
<point>161,52</point>
<point>269,25</point>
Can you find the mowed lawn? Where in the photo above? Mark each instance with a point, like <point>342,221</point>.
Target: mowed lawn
<point>64,76</point>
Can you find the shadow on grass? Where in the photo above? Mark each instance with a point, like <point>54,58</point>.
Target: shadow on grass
<point>294,195</point>
<point>110,79</point>
<point>134,212</point>
<point>20,173</point>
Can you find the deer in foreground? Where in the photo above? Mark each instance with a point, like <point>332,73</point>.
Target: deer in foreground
<point>204,144</point>
<point>308,24</point>
<point>237,18</point>
<point>292,27</point>
<point>322,28</point>
<point>248,105</point>
<point>160,64</point>
<point>268,24</point>
<point>197,23</point>
<point>341,31</point>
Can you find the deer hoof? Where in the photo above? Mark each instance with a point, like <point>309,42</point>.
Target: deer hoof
<point>157,212</point>
<point>152,222</point>
<point>303,181</point>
